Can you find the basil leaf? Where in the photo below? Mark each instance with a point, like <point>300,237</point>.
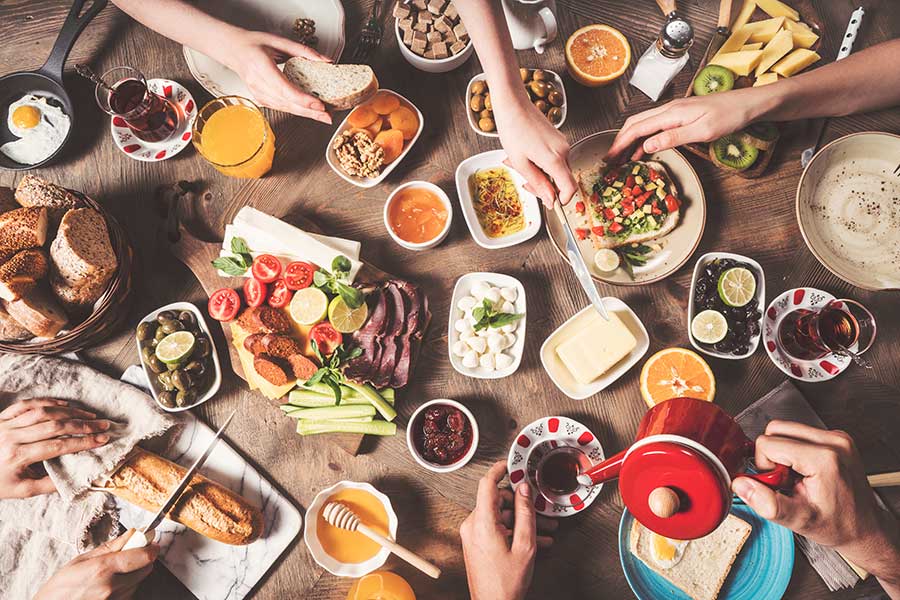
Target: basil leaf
<point>352,297</point>
<point>341,263</point>
<point>357,351</point>
<point>239,246</point>
<point>316,378</point>
<point>488,307</point>
<point>321,279</point>
<point>230,266</point>
<point>504,319</point>
<point>245,260</point>
<point>478,313</point>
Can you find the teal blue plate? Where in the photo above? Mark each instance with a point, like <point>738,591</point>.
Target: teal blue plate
<point>762,570</point>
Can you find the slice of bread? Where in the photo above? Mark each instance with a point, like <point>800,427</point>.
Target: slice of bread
<point>7,200</point>
<point>82,249</point>
<point>10,330</point>
<point>706,562</point>
<point>38,312</point>
<point>20,229</point>
<point>339,86</point>
<point>21,273</point>
<point>79,299</point>
<point>34,191</point>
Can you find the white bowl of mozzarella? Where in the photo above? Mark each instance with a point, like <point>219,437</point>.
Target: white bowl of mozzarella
<point>492,352</point>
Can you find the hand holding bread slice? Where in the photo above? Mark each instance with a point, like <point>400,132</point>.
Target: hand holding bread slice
<point>340,87</point>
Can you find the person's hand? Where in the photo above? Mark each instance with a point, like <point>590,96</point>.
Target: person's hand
<point>103,573</point>
<point>536,149</point>
<point>35,430</point>
<point>684,121</point>
<point>253,55</point>
<point>497,569</point>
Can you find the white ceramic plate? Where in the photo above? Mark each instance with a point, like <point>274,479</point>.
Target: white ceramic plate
<point>760,299</point>
<point>325,560</point>
<point>462,289</point>
<point>560,374</point>
<point>530,204</point>
<point>555,79</point>
<point>151,376</point>
<point>273,17</point>
<point>365,182</point>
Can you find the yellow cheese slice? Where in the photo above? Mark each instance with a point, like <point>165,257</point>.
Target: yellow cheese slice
<point>735,41</point>
<point>743,15</point>
<point>795,62</point>
<point>776,8</point>
<point>781,44</point>
<point>755,46</point>
<point>596,347</point>
<point>804,37</point>
<point>764,31</point>
<point>765,79</point>
<point>739,62</point>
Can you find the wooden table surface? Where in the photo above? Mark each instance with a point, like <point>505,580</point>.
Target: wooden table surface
<point>752,217</point>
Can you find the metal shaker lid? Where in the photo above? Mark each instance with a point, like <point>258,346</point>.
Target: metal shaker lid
<point>676,37</point>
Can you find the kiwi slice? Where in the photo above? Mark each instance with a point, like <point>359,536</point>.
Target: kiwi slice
<point>712,79</point>
<point>732,152</point>
<point>762,135</point>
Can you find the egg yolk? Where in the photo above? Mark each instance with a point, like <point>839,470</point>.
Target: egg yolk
<point>26,117</point>
<point>663,548</point>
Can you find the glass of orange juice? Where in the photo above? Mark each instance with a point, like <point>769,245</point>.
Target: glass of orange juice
<point>234,136</point>
<point>381,585</point>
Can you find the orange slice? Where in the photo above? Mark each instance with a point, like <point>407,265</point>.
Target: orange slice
<point>675,373</point>
<point>597,55</point>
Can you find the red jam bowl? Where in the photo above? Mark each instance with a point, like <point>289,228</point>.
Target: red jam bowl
<point>442,435</point>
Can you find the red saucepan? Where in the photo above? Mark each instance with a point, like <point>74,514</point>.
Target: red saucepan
<point>676,477</point>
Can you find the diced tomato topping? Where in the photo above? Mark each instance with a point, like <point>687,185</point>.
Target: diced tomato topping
<point>595,198</point>
<point>643,199</point>
<point>266,268</point>
<point>629,181</point>
<point>637,190</point>
<point>255,292</point>
<point>655,210</point>
<point>224,304</point>
<point>627,209</point>
<point>610,177</point>
<point>598,231</point>
<point>671,203</point>
<point>609,214</point>
<point>615,227</point>
<point>653,175</point>
<point>579,207</point>
<point>280,295</point>
<point>626,192</point>
<point>581,233</point>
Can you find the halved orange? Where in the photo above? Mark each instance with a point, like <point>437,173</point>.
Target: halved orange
<point>676,373</point>
<point>597,54</point>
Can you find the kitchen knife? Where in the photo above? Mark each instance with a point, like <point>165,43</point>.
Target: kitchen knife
<point>142,537</point>
<point>578,264</point>
<point>844,52</point>
<point>720,34</point>
<point>665,57</point>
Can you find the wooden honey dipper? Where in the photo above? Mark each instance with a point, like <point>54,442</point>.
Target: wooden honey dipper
<point>342,517</point>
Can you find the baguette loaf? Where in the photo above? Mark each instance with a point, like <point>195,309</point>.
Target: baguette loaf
<point>208,508</point>
<point>20,274</point>
<point>339,86</point>
<point>22,228</point>
<point>38,312</point>
<point>34,191</point>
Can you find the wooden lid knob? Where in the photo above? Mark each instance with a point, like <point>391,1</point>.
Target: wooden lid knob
<point>663,502</point>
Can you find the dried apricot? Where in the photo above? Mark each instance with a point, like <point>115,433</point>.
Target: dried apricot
<point>375,127</point>
<point>391,140</point>
<point>384,103</point>
<point>406,121</point>
<point>362,116</point>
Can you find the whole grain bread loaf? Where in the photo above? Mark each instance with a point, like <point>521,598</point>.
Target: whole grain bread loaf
<point>82,249</point>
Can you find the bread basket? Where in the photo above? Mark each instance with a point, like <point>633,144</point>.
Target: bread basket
<point>110,310</point>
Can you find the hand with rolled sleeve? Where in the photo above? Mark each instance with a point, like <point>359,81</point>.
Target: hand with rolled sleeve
<point>832,504</point>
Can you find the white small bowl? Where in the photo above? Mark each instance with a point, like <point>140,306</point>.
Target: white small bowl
<point>442,468</point>
<point>530,203</point>
<point>365,182</point>
<point>473,123</point>
<point>325,560</point>
<point>153,386</point>
<point>760,298</point>
<point>432,65</point>
<point>445,200</point>
<point>462,288</point>
<point>561,376</point>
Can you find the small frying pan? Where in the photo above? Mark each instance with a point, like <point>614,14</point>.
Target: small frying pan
<point>46,82</point>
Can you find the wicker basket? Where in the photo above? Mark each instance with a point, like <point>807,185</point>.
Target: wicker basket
<point>110,311</point>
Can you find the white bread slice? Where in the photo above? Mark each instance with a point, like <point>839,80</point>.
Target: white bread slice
<point>7,200</point>
<point>82,249</point>
<point>706,562</point>
<point>38,312</point>
<point>340,86</point>
<point>10,330</point>
<point>22,228</point>
<point>21,273</point>
<point>78,299</point>
<point>34,191</point>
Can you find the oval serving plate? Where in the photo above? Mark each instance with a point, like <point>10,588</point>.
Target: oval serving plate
<point>677,247</point>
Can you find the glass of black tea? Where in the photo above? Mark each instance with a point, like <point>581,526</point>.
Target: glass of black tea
<point>838,326</point>
<point>557,473</point>
<point>151,117</point>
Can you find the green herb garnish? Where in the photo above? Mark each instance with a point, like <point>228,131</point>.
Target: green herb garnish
<point>487,316</point>
<point>236,265</point>
<point>335,281</point>
<point>633,255</point>
<point>329,373</point>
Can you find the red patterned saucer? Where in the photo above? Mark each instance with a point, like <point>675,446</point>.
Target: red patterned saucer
<point>821,369</point>
<point>555,431</point>
<point>156,151</point>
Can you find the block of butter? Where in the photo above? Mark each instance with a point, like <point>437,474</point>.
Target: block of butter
<point>594,345</point>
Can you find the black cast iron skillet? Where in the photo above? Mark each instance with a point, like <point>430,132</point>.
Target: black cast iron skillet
<point>47,81</point>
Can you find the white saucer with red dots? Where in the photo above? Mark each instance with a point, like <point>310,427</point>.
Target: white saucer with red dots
<point>553,431</point>
<point>143,151</point>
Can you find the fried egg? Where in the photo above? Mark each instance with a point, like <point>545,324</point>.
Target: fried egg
<point>666,552</point>
<point>40,126</point>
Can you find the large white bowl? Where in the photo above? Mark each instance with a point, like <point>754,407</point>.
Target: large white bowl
<point>410,443</point>
<point>445,200</point>
<point>473,122</point>
<point>432,65</point>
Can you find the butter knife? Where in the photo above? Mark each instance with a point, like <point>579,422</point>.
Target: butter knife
<point>578,264</point>
<point>142,537</point>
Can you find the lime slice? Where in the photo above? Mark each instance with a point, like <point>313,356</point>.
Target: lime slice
<point>737,286</point>
<point>709,327</point>
<point>346,319</point>
<point>309,306</point>
<point>175,347</point>
<point>606,260</point>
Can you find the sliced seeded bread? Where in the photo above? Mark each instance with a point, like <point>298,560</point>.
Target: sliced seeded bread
<point>34,191</point>
<point>7,200</point>
<point>38,312</point>
<point>21,273</point>
<point>339,86</point>
<point>20,229</point>
<point>10,330</point>
<point>82,249</point>
<point>78,299</point>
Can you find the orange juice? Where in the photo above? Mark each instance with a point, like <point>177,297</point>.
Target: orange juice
<point>352,546</point>
<point>234,135</point>
<point>381,585</point>
<point>417,215</point>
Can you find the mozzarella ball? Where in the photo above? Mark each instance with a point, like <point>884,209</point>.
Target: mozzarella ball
<point>508,307</point>
<point>484,332</point>
<point>486,361</point>
<point>509,327</point>
<point>509,340</point>
<point>495,341</point>
<point>479,290</point>
<point>459,348</point>
<point>470,359</point>
<point>509,294</point>
<point>466,335</point>
<point>493,295</point>
<point>462,325</point>
<point>466,303</point>
<point>502,361</point>
<point>478,344</point>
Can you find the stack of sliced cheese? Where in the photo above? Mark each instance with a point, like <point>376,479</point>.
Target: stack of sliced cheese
<point>769,49</point>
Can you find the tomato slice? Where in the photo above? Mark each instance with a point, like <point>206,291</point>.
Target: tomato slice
<point>266,268</point>
<point>255,292</point>
<point>327,338</point>
<point>224,304</point>
<point>280,295</point>
<point>671,203</point>
<point>299,275</point>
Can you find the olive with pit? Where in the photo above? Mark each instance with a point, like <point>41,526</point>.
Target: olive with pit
<point>156,365</point>
<point>540,75</point>
<point>477,103</point>
<point>145,331</point>
<point>555,115</point>
<point>166,315</point>
<point>542,105</point>
<point>202,347</point>
<point>171,326</point>
<point>181,379</point>
<point>165,380</point>
<point>486,114</point>
<point>147,353</point>
<point>555,98</point>
<point>160,334</point>
<point>188,319</point>
<point>486,124</point>
<point>487,101</point>
<point>196,368</point>
<point>525,74</point>
<point>539,88</point>
<point>479,87</point>
<point>167,399</point>
<point>185,398</point>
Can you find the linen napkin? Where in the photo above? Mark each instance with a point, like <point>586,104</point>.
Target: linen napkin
<point>38,535</point>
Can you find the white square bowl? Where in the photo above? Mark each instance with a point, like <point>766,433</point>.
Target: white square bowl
<point>561,376</point>
<point>463,288</point>
<point>365,182</point>
<point>555,79</point>
<point>153,386</point>
<point>530,204</point>
<point>760,298</point>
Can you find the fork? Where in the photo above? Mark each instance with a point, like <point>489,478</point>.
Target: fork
<point>369,37</point>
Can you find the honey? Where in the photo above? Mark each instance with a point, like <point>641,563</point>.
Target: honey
<point>352,546</point>
<point>417,215</point>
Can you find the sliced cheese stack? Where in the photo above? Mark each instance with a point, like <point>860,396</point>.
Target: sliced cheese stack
<point>596,346</point>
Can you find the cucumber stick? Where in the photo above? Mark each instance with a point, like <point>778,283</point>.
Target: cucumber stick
<point>326,413</point>
<point>307,427</point>
<point>348,395</point>
<point>369,393</point>
<point>308,399</point>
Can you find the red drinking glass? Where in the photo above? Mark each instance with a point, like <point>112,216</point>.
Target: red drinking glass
<point>151,117</point>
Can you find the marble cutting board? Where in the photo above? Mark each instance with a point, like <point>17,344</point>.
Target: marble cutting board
<point>209,569</point>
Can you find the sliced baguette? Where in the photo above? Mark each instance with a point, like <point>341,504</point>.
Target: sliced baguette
<point>7,200</point>
<point>82,249</point>
<point>339,86</point>
<point>706,562</point>
<point>38,312</point>
<point>10,329</point>
<point>20,229</point>
<point>20,274</point>
<point>34,191</point>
